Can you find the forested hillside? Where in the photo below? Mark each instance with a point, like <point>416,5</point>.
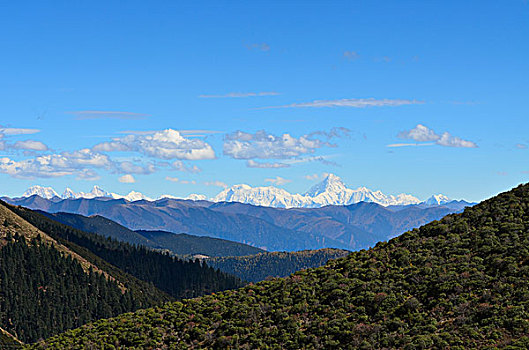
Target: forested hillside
<point>46,287</point>
<point>53,277</point>
<point>255,268</point>
<point>461,282</point>
<point>178,278</point>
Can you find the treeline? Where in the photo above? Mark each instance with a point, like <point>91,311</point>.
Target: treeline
<point>458,283</point>
<point>255,268</point>
<point>43,292</point>
<point>178,278</point>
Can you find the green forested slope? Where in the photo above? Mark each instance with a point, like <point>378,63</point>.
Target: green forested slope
<point>461,282</point>
<point>258,267</point>
<point>179,278</point>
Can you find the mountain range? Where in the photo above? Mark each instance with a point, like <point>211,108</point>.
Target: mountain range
<point>458,283</point>
<point>351,227</point>
<point>330,191</point>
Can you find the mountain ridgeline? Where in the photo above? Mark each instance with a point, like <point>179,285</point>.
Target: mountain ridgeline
<point>54,277</point>
<point>179,244</point>
<point>349,227</point>
<point>461,282</point>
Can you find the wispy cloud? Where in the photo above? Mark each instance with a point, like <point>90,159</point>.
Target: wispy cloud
<point>18,131</point>
<point>177,180</point>
<point>278,181</point>
<point>312,177</point>
<point>216,183</point>
<point>265,165</point>
<point>410,144</point>
<point>521,146</point>
<point>83,115</point>
<point>188,133</point>
<point>241,94</point>
<point>350,102</point>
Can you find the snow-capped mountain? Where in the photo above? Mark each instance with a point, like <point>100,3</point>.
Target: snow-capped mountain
<point>44,192</point>
<point>132,196</point>
<point>331,191</point>
<point>96,192</point>
<point>437,199</point>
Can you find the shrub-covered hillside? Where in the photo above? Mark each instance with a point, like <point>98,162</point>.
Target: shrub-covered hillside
<point>461,282</point>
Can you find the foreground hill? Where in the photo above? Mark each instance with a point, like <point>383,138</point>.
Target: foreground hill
<point>48,285</point>
<point>54,277</point>
<point>258,267</point>
<point>461,282</point>
<point>350,227</point>
<point>179,244</point>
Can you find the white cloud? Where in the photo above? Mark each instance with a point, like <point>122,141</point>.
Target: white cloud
<point>18,131</point>
<point>166,144</point>
<point>180,166</point>
<point>56,165</point>
<point>454,141</point>
<point>81,115</point>
<point>265,165</point>
<point>241,94</point>
<point>262,145</point>
<point>172,179</point>
<point>128,179</point>
<point>351,102</point>
<point>216,183</point>
<point>521,146</point>
<point>422,133</point>
<point>278,181</point>
<point>30,145</point>
<point>87,157</point>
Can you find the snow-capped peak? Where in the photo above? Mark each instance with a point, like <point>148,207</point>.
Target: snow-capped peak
<point>68,193</point>
<point>437,199</point>
<point>330,191</point>
<point>44,192</point>
<point>331,183</point>
<point>132,196</point>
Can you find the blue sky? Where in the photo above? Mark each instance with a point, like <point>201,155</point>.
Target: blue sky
<point>88,88</point>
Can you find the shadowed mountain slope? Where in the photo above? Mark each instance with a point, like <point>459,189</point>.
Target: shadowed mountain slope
<point>350,227</point>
